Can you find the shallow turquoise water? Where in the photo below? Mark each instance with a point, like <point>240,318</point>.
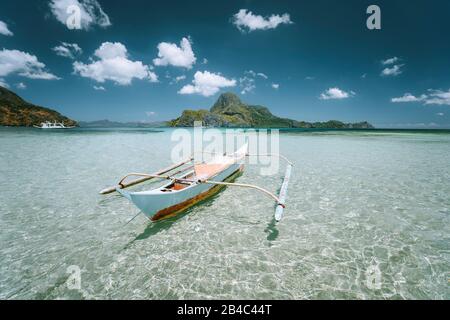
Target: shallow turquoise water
<point>361,206</point>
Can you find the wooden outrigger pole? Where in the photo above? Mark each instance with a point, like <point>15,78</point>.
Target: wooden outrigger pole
<point>123,185</point>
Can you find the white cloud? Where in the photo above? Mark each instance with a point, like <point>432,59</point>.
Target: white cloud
<point>152,76</point>
<point>336,93</point>
<point>21,85</point>
<point>178,56</point>
<point>113,64</point>
<point>389,61</point>
<point>246,19</point>
<point>275,86</point>
<point>393,71</point>
<point>150,113</point>
<point>99,88</point>
<point>205,61</point>
<point>247,84</point>
<point>262,75</point>
<point>176,79</point>
<point>363,76</point>
<point>40,75</point>
<point>408,97</point>
<point>309,78</point>
<point>250,73</point>
<point>248,81</point>
<point>109,50</point>
<point>24,64</point>
<point>91,13</point>
<point>68,50</point>
<point>207,84</point>
<point>179,78</point>
<point>440,114</point>
<point>3,83</point>
<point>436,97</point>
<point>4,29</point>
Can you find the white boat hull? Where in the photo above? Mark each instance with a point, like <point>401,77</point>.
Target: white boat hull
<point>158,204</point>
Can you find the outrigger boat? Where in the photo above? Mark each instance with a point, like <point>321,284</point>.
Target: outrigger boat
<point>196,183</point>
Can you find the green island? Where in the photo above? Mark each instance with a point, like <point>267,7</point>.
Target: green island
<point>230,111</point>
<point>16,112</point>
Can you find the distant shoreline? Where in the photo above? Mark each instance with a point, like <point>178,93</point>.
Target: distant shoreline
<point>159,129</point>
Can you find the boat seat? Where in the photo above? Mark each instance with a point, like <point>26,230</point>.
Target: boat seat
<point>179,186</point>
<point>207,170</point>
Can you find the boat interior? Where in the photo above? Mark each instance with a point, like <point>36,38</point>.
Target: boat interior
<point>201,171</point>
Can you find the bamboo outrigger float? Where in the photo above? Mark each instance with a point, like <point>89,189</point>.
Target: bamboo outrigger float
<point>196,182</point>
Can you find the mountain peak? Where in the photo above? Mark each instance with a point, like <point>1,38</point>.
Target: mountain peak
<point>226,100</point>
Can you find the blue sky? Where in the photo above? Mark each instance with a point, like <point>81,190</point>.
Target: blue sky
<point>306,60</point>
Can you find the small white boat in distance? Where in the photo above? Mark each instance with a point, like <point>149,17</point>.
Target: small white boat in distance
<point>53,125</point>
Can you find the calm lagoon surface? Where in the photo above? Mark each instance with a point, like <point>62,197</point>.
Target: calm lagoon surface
<point>367,217</point>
